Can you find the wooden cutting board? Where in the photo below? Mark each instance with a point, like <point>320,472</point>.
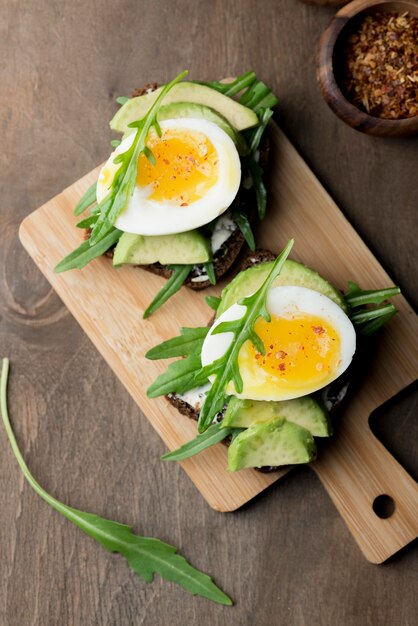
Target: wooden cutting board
<point>354,467</point>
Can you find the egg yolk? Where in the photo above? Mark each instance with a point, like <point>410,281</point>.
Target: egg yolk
<point>299,350</point>
<point>186,166</point>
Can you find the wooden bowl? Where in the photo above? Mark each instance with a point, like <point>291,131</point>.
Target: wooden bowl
<point>329,60</point>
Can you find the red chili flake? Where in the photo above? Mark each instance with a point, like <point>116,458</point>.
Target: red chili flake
<point>184,204</point>
<point>281,354</point>
<point>271,347</point>
<point>166,162</point>
<point>381,65</point>
<point>257,356</point>
<point>282,367</point>
<point>318,330</point>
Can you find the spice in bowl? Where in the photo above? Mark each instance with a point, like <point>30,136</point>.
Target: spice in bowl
<point>380,65</point>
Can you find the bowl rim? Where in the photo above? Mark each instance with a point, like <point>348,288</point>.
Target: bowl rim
<point>341,106</point>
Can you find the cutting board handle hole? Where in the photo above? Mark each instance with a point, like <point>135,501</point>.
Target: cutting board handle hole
<point>384,506</point>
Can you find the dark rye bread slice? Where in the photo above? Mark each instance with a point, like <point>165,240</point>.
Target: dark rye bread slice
<point>331,396</point>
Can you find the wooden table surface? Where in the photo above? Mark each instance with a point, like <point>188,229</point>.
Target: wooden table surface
<point>286,558</point>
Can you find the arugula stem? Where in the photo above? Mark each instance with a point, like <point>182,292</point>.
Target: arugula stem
<point>85,253</point>
<point>371,314</point>
<point>210,271</point>
<point>231,89</point>
<point>227,365</point>
<point>375,324</point>
<point>213,435</point>
<point>242,82</point>
<point>173,284</point>
<point>376,296</point>
<point>243,224</point>
<point>213,302</point>
<point>123,183</point>
<point>66,511</point>
<point>87,200</point>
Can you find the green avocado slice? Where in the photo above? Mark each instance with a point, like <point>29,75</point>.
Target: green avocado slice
<point>182,248</point>
<point>273,443</point>
<point>190,110</point>
<point>177,110</point>
<point>305,412</point>
<point>239,116</point>
<point>293,273</point>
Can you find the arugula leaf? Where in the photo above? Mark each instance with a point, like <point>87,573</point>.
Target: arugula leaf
<point>87,200</point>
<point>87,222</point>
<point>188,373</point>
<point>145,555</point>
<point>243,224</point>
<point>213,435</point>
<point>188,342</point>
<point>179,377</point>
<point>173,284</point>
<point>232,88</point>
<point>254,135</point>
<point>123,182</point>
<point>365,315</point>
<point>258,97</point>
<point>213,302</point>
<point>86,253</point>
<point>256,172</point>
<point>368,319</point>
<point>210,271</point>
<point>226,368</point>
<point>358,297</point>
<point>373,325</point>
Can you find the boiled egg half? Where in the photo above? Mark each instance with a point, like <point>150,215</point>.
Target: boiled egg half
<point>195,178</point>
<point>308,342</point>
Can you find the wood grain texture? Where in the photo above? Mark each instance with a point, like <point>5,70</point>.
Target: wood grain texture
<point>287,557</point>
<point>109,305</point>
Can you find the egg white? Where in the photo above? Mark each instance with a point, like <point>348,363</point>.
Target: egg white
<point>283,301</point>
<point>145,216</point>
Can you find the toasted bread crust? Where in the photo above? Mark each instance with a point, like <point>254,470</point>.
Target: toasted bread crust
<point>182,407</point>
<point>140,91</point>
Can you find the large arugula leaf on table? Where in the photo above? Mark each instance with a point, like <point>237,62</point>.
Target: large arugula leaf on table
<point>146,556</point>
